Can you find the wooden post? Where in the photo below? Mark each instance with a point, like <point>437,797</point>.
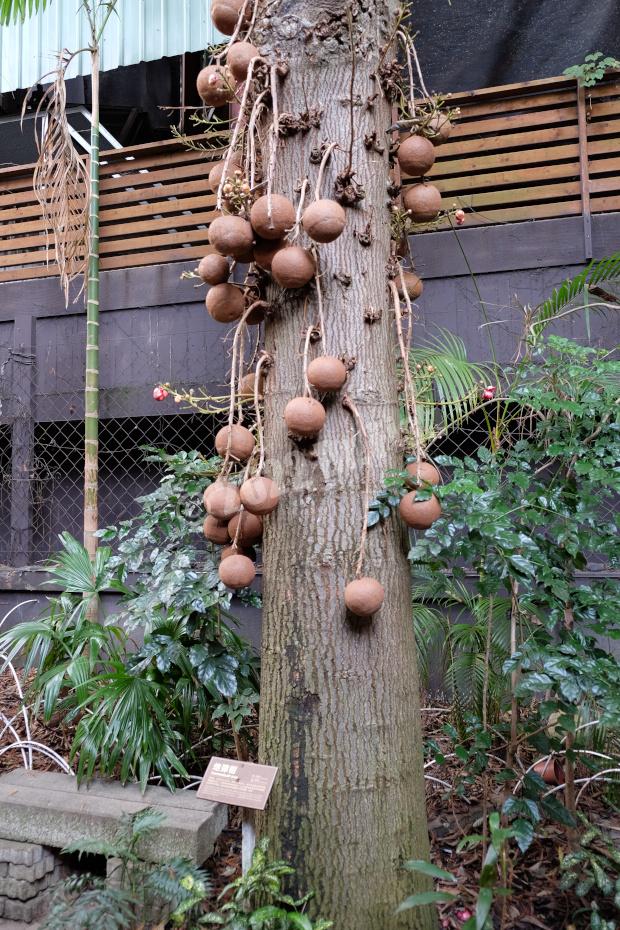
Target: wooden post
<point>22,457</point>
<point>584,170</point>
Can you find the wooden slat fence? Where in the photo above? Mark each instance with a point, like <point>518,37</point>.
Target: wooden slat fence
<point>518,152</point>
<point>533,151</point>
<point>155,208</point>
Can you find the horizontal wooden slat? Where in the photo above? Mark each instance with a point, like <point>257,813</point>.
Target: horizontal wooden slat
<point>512,104</point>
<point>154,258</point>
<point>120,231</point>
<point>197,203</point>
<point>518,214</point>
<point>122,261</point>
<point>511,141</point>
<point>154,194</point>
<point>497,179</point>
<point>155,162</point>
<point>501,160</point>
<point>512,121</point>
<point>150,178</point>
<point>516,196</point>
<point>604,128</point>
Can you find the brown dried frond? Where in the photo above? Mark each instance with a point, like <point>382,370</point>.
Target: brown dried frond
<point>60,181</point>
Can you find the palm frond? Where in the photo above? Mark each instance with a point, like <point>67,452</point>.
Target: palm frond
<point>430,626</point>
<point>596,273</point>
<point>447,384</point>
<point>17,10</point>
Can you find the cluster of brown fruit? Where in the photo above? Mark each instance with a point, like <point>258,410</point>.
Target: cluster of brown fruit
<point>235,514</point>
<point>420,515</point>
<point>364,596</point>
<point>416,156</point>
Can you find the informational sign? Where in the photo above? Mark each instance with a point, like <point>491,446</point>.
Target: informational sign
<point>244,784</point>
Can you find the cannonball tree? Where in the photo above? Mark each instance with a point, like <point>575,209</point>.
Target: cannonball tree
<point>313,216</point>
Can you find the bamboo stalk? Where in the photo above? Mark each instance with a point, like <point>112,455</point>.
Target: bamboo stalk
<point>91,383</point>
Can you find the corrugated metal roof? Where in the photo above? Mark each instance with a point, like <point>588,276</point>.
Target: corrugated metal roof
<point>143,30</point>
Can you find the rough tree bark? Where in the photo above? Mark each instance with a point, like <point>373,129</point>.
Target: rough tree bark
<point>339,702</point>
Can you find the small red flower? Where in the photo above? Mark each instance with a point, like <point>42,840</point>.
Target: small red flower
<point>459,217</point>
<point>463,915</point>
<point>159,393</point>
<point>489,392</point>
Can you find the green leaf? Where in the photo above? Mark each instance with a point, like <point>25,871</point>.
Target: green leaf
<point>215,668</point>
<point>425,897</point>
<point>427,868</point>
<point>14,10</point>
<point>483,907</point>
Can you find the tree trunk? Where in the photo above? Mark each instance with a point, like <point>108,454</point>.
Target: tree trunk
<point>340,709</point>
<point>91,383</point>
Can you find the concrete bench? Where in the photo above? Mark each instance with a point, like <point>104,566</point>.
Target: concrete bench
<point>48,809</point>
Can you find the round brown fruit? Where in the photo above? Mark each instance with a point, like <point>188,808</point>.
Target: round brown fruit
<point>224,501</point>
<point>413,284</point>
<point>264,251</point>
<point>214,269</point>
<point>275,225</point>
<point>215,86</point>
<point>324,220</point>
<point>225,303</point>
<point>216,172</point>
<point>428,472</point>
<point>419,514</point>
<point>251,528</point>
<point>259,495</point>
<point>423,202</point>
<point>232,235</point>
<point>326,373</point>
<point>304,416</point>
<point>241,442</point>
<point>237,571</point>
<point>225,15</point>
<point>440,128</point>
<point>215,531</point>
<point>246,385</point>
<point>292,267</point>
<point>235,550</point>
<point>364,596</point>
<point>206,494</point>
<point>238,59</point>
<point>416,156</point>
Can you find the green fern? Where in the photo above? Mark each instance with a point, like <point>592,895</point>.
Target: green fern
<point>447,384</point>
<point>597,272</point>
<point>85,902</point>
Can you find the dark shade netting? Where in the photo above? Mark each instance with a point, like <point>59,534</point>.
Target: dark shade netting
<point>482,43</point>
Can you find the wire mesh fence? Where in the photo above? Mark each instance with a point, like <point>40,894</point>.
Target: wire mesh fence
<point>42,470</point>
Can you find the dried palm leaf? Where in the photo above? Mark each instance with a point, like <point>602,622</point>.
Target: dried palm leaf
<point>60,181</point>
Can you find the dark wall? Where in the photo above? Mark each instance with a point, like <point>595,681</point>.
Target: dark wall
<point>468,44</point>
<point>515,265</point>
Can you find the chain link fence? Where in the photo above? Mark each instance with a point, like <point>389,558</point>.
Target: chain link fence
<point>42,469</point>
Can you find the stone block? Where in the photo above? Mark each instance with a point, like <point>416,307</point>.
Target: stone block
<point>18,853</point>
<point>35,872</point>
<point>48,808</point>
<point>26,911</point>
